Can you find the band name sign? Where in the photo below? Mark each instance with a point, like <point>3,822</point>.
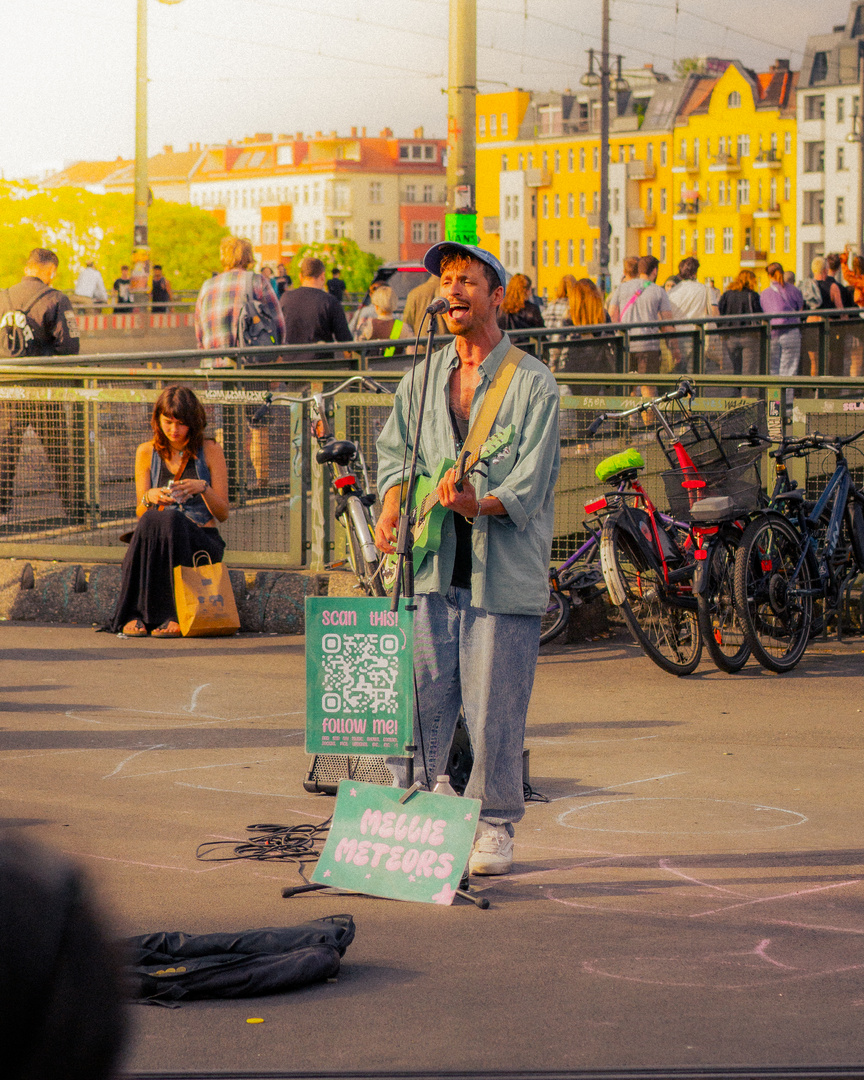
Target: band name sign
<point>359,658</point>
<point>417,850</point>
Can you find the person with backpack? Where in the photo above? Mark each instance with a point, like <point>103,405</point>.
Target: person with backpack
<point>36,320</point>
<point>840,341</point>
<point>226,311</point>
<point>642,300</point>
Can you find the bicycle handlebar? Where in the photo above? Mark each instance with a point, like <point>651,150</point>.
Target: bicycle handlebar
<point>798,447</point>
<point>683,389</point>
<point>281,399</point>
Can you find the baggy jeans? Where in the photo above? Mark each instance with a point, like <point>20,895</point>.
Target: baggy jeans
<point>484,662</point>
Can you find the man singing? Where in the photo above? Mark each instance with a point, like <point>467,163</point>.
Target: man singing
<point>481,594</point>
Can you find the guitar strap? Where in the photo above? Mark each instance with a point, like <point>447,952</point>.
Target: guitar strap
<point>482,426</point>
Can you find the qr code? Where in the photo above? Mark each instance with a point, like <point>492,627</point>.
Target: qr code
<point>359,672</point>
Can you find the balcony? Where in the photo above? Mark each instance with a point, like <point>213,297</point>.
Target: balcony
<point>767,159</point>
<point>724,163</point>
<point>752,257</point>
<point>685,165</point>
<point>538,178</point>
<point>641,170</point>
<point>685,211</point>
<point>340,206</point>
<point>637,218</point>
<point>768,210</point>
<point>491,225</point>
<point>593,219</point>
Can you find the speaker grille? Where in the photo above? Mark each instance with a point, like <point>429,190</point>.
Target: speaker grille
<point>326,770</point>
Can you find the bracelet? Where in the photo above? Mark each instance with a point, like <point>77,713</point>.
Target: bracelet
<point>145,501</point>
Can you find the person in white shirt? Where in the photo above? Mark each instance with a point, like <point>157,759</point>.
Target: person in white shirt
<point>90,288</point>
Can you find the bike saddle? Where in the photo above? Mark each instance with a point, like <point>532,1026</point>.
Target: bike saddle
<point>340,452</point>
<point>717,508</point>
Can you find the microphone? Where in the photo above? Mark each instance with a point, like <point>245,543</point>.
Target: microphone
<point>439,306</point>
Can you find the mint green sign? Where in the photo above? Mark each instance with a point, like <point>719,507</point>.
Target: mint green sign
<point>359,657</point>
<point>417,850</point>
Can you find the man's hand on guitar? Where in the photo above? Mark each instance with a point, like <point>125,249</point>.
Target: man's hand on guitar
<point>388,522</point>
<point>464,502</point>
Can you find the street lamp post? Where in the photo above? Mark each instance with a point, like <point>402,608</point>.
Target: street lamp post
<point>602,78</point>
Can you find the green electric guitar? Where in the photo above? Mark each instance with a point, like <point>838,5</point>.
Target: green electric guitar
<point>428,513</point>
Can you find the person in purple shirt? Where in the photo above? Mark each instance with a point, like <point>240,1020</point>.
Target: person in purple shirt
<point>785,333</point>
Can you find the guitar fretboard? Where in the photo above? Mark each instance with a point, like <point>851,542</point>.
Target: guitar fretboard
<point>432,500</point>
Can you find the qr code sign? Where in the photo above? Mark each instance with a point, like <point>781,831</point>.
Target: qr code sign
<point>359,672</point>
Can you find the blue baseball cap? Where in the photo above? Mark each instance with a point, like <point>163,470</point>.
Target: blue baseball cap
<point>432,258</point>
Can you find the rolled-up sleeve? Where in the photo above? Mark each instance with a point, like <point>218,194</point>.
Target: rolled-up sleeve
<point>526,488</point>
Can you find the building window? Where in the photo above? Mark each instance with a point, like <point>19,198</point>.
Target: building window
<point>545,160</point>
<point>503,163</point>
<point>841,162</point>
<point>545,206</point>
<point>503,123</point>
<point>515,206</point>
<point>663,200</point>
<point>682,150</point>
<point>695,151</point>
<point>557,161</point>
<point>570,252</point>
<point>545,252</point>
<point>521,163</point>
<point>772,240</point>
<point>709,241</point>
<point>734,100</point>
<point>416,232</point>
<point>286,231</point>
<point>682,243</point>
<point>375,230</point>
<point>557,206</point>
<point>695,241</point>
<point>787,189</point>
<point>595,201</point>
<point>748,238</point>
<point>269,232</point>
<point>743,146</point>
<point>427,193</point>
<point>819,70</point>
<point>581,252</point>
<point>374,192</point>
<point>582,204</point>
<point>581,159</point>
<point>814,106</point>
<point>570,160</point>
<point>662,153</point>
<point>410,193</point>
<point>728,241</point>
<point>649,153</point>
<point>481,127</point>
<point>814,157</point>
<point>649,199</point>
<point>787,239</point>
<point>533,252</point>
<point>616,200</point>
<point>433,232</point>
<point>841,210</point>
<point>743,192</point>
<point>516,253</point>
<point>557,255</point>
<point>506,207</point>
<point>787,142</point>
<point>649,246</point>
<point>841,110</point>
<point>570,204</point>
<point>595,249</point>
<point>404,153</point>
<point>663,249</point>
<point>493,126</point>
<point>506,253</point>
<point>595,157</point>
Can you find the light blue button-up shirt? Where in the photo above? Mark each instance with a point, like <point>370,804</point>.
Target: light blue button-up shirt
<point>510,553</point>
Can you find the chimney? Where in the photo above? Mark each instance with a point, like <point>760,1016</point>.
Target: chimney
<point>167,149</point>
<point>333,135</point>
<point>317,134</point>
<point>299,136</point>
<point>418,133</point>
<point>386,133</point>
<point>363,133</point>
<point>780,65</point>
<point>353,132</point>
<point>648,67</point>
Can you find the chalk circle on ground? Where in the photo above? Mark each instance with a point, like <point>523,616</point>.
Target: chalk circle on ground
<point>681,815</point>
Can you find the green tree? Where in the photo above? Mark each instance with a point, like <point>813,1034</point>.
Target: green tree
<point>688,65</point>
<point>356,267</point>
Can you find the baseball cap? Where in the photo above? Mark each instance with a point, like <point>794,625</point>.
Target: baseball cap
<point>432,258</point>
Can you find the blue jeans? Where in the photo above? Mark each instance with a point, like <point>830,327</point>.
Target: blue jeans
<point>786,352</point>
<point>485,663</point>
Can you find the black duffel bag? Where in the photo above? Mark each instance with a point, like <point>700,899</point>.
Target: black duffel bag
<point>172,966</point>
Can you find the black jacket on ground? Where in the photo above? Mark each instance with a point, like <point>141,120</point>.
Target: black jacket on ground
<point>312,315</point>
<point>51,318</point>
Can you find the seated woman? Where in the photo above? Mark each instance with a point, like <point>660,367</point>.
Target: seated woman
<point>181,482</point>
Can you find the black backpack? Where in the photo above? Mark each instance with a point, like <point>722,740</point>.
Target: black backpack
<point>169,967</point>
<point>255,325</point>
<point>16,333</point>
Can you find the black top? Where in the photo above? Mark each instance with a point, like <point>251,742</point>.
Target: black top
<point>739,302</point>
<point>51,318</point>
<point>336,287</point>
<point>312,315</point>
<point>461,578</point>
<point>526,317</point>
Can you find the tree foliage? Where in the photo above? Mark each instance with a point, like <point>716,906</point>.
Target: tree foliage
<point>80,226</point>
<point>356,267</point>
<point>688,65</point>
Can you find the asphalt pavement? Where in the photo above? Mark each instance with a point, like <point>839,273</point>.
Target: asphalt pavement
<point>692,894</point>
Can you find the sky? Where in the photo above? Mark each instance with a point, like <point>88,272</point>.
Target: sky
<point>224,69</point>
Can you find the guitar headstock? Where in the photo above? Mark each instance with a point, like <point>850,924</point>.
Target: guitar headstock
<point>496,443</point>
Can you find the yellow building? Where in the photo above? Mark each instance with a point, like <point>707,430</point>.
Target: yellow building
<point>675,164</point>
<point>734,173</point>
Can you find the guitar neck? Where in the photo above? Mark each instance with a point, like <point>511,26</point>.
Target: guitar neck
<point>431,500</point>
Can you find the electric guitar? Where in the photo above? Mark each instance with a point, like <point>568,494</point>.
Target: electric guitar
<point>427,517</point>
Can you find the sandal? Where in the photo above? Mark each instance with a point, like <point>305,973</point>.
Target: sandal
<point>169,628</point>
<point>134,628</point>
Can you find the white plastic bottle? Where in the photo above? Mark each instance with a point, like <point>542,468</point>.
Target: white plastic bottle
<point>444,787</point>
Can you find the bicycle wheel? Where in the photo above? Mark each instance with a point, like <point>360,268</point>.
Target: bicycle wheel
<point>722,633</point>
<point>555,618</point>
<point>367,573</point>
<point>774,603</point>
<point>668,634</point>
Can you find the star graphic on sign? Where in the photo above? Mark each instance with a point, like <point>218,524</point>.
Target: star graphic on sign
<point>368,875</point>
<point>353,792</point>
<point>411,877</point>
<point>445,896</point>
<point>469,816</point>
<point>326,873</point>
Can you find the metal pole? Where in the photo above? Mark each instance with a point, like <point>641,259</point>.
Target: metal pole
<point>603,274</point>
<point>860,148</point>
<point>141,249</point>
<point>461,115</point>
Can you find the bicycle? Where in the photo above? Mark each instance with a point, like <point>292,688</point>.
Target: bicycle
<point>787,562</point>
<point>577,581</point>
<point>355,504</point>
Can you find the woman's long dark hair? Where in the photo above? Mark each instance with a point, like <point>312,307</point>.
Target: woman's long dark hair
<point>180,403</point>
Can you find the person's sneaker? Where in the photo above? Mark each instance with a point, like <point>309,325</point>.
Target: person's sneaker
<point>493,850</point>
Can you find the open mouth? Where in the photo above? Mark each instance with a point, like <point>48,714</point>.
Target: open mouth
<point>456,307</point>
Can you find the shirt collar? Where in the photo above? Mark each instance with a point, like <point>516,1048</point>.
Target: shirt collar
<point>489,366</point>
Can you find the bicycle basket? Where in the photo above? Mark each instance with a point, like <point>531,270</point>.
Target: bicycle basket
<point>716,442</point>
<point>740,483</point>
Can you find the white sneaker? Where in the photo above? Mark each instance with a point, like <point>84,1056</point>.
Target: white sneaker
<point>493,850</point>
